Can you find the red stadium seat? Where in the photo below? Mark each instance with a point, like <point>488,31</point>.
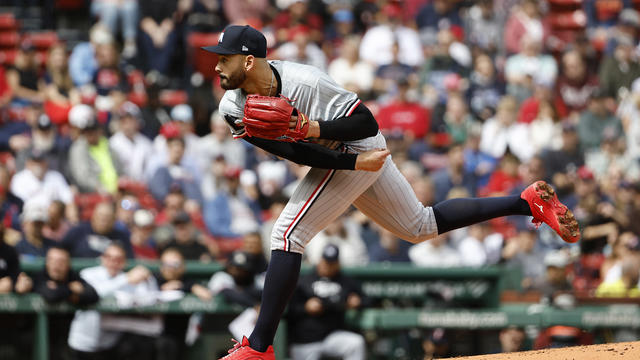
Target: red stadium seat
<point>87,202</point>
<point>203,61</point>
<point>139,98</point>
<point>70,4</point>
<point>568,20</point>
<point>566,2</point>
<point>587,272</point>
<point>6,157</point>
<point>42,40</point>
<point>139,190</point>
<point>8,22</point>
<point>8,57</point>
<point>173,97</point>
<point>9,39</point>
<point>41,57</point>
<point>138,94</point>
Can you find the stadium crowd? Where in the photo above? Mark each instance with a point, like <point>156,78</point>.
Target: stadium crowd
<point>115,138</point>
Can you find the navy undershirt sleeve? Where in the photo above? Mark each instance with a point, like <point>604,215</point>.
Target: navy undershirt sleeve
<point>305,153</point>
<point>359,125</point>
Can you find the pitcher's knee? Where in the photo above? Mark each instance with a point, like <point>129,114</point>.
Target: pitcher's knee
<point>418,238</point>
<point>287,243</point>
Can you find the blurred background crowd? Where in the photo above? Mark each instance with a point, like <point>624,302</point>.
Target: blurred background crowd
<point>109,130</point>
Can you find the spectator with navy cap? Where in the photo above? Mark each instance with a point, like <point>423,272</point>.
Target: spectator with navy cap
<point>317,309</point>
<point>188,240</point>
<point>238,283</point>
<point>46,139</point>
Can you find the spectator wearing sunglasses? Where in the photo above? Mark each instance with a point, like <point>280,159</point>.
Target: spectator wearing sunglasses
<point>171,278</point>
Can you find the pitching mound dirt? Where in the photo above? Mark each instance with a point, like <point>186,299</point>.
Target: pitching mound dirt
<point>619,351</point>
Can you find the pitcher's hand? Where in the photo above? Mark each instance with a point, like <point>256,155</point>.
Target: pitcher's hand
<point>371,160</point>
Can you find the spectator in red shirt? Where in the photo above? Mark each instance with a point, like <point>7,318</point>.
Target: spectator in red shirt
<point>60,93</point>
<point>505,178</point>
<point>404,115</point>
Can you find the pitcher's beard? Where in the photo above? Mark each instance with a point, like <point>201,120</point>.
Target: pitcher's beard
<point>233,81</point>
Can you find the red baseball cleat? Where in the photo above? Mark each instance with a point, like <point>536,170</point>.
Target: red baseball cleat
<point>546,208</point>
<point>242,351</point>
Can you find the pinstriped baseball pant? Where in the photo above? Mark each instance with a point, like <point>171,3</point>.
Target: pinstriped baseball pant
<point>384,196</point>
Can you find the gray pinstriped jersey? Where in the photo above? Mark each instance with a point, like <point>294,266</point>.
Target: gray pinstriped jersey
<point>313,93</point>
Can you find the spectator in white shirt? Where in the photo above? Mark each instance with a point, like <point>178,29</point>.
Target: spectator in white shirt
<point>349,71</point>
<point>435,253</point>
<point>88,338</point>
<point>502,132</point>
<point>378,41</point>
<point>301,49</point>
<point>37,181</point>
<point>220,143</point>
<point>480,247</point>
<point>529,67</point>
<point>131,147</point>
<point>353,251</point>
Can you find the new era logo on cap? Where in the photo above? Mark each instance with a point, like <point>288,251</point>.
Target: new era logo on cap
<point>236,39</point>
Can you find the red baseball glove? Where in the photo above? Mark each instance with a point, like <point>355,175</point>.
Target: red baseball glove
<point>268,118</point>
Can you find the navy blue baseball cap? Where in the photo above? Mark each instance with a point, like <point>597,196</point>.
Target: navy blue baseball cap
<point>331,253</point>
<point>236,39</point>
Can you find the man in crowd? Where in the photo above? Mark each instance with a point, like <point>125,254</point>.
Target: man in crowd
<point>33,242</point>
<point>90,239</point>
<point>316,313</point>
<point>88,336</point>
<point>57,282</point>
<point>238,283</point>
<point>188,240</point>
<point>132,149</point>
<point>37,180</point>
<point>171,344</point>
<point>14,328</point>
<point>175,172</point>
<point>11,279</point>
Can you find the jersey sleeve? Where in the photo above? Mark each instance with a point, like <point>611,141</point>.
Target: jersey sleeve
<point>331,100</point>
<point>231,106</point>
<point>232,113</point>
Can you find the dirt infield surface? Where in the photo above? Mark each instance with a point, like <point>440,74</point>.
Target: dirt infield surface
<point>618,351</point>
